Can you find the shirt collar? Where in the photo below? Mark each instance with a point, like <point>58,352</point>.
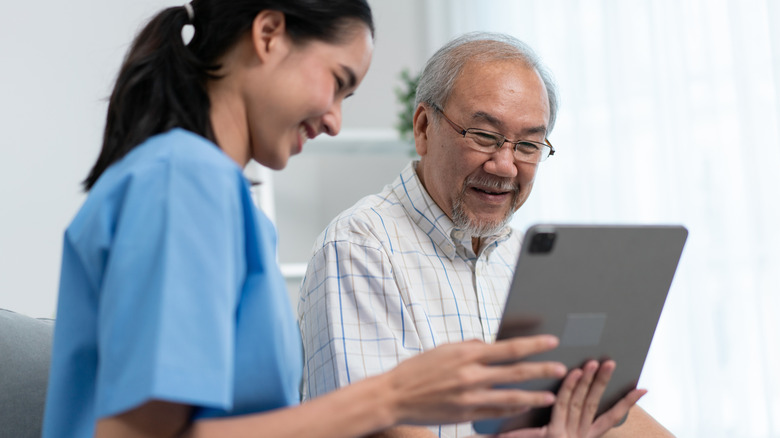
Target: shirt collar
<point>424,212</point>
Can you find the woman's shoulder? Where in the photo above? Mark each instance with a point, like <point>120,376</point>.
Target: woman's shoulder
<point>176,152</point>
<point>183,148</point>
<point>170,164</point>
<point>175,169</point>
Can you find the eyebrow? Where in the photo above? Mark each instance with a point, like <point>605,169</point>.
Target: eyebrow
<point>483,116</point>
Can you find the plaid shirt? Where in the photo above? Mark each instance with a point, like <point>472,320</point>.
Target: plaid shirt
<point>392,277</point>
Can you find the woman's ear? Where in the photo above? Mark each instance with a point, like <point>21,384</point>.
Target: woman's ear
<point>269,33</point>
<point>421,122</point>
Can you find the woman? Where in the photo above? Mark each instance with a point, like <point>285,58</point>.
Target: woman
<point>173,317</point>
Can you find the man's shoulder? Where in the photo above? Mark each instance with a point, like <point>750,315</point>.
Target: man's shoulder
<point>367,219</point>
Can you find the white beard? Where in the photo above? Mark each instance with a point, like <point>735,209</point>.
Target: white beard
<point>476,228</point>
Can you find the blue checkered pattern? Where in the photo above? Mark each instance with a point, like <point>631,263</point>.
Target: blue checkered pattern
<point>392,277</point>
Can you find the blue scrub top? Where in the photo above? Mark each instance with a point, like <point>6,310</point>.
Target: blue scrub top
<point>170,290</point>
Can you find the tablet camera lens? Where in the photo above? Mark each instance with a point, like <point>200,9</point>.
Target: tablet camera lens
<point>542,243</point>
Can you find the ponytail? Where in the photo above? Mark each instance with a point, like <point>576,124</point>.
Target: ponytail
<point>161,85</point>
<point>162,82</point>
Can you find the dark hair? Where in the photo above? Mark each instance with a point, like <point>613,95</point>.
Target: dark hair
<point>162,81</point>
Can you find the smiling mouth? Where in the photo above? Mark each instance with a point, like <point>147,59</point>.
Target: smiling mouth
<point>490,191</point>
<point>303,131</point>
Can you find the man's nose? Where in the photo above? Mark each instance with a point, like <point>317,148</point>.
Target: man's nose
<point>502,162</point>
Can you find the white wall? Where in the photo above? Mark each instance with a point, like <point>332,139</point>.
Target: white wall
<point>59,60</point>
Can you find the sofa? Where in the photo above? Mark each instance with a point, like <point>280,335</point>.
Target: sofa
<point>25,353</point>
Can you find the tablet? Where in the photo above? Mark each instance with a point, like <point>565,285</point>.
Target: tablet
<point>601,290</point>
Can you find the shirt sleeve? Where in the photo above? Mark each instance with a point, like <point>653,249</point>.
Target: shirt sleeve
<point>168,295</point>
<point>353,318</point>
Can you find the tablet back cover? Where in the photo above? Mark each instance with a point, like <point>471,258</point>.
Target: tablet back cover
<point>601,290</point>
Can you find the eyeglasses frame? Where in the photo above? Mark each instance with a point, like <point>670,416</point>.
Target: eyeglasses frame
<point>460,130</point>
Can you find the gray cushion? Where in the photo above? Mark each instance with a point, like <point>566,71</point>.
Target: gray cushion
<point>25,352</point>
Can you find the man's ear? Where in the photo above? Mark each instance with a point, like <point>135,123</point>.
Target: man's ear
<point>421,123</point>
<point>269,33</point>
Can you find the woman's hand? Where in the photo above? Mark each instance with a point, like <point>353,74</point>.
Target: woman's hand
<point>576,404</point>
<point>455,382</point>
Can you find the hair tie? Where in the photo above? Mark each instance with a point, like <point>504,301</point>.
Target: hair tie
<point>190,11</point>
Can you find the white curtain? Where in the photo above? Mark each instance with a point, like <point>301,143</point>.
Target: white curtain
<point>670,113</point>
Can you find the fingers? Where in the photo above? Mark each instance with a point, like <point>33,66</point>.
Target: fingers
<point>518,401</point>
<point>479,384</point>
<point>610,418</point>
<point>521,372</point>
<point>596,391</point>
<point>486,372</point>
<point>457,382</point>
<point>578,400</point>
<point>517,348</point>
<point>596,378</point>
<point>560,411</point>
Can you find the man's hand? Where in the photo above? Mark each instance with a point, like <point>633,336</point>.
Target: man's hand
<point>574,411</point>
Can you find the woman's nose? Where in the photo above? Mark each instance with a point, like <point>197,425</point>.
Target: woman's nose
<point>332,120</point>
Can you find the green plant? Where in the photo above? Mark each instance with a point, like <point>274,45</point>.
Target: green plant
<point>405,93</point>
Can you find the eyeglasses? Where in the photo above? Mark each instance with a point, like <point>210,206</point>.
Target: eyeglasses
<point>489,142</point>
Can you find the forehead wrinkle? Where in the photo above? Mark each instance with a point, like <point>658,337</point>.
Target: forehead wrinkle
<point>535,130</point>
<point>482,116</point>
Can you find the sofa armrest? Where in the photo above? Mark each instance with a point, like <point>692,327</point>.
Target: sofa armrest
<point>25,355</point>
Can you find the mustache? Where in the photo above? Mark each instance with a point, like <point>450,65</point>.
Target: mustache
<point>492,183</point>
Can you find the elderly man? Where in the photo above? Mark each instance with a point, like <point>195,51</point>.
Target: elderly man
<point>429,260</point>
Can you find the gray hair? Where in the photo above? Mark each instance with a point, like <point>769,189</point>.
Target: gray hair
<point>443,68</point>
